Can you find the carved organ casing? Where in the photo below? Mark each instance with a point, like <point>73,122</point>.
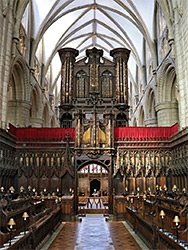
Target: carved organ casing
<point>93,90</point>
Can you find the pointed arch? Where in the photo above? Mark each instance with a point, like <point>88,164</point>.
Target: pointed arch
<point>18,96</point>
<point>36,105</point>
<point>166,79</point>
<point>150,104</point>
<point>20,75</point>
<point>167,95</point>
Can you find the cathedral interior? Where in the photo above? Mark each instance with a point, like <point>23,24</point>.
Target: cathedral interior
<point>93,124</point>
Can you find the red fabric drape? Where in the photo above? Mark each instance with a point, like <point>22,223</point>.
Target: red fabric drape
<point>43,133</point>
<point>144,132</point>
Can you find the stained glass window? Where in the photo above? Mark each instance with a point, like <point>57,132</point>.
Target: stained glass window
<point>94,169</point>
<point>84,170</point>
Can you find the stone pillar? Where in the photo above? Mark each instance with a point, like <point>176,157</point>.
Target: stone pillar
<point>18,111</point>
<point>36,122</point>
<point>94,56</point>
<point>151,122</point>
<point>167,113</point>
<point>6,31</point>
<point>121,56</point>
<point>180,25</point>
<point>67,56</point>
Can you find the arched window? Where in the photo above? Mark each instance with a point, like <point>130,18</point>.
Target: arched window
<point>121,120</point>
<point>106,84</point>
<point>81,84</point>
<point>93,168</point>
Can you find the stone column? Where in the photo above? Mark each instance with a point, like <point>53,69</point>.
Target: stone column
<point>6,31</point>
<point>18,111</point>
<point>121,56</point>
<point>181,60</point>
<point>167,113</point>
<point>151,122</point>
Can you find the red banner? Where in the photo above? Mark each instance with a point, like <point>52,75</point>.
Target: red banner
<point>144,133</point>
<point>41,133</point>
<point>120,133</point>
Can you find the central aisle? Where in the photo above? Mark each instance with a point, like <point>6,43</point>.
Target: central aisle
<point>93,233</point>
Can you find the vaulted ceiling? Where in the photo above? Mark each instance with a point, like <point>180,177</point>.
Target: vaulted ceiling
<point>105,24</point>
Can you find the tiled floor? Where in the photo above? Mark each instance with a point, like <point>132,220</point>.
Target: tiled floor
<point>94,233</point>
<point>66,239</point>
<point>121,237</point>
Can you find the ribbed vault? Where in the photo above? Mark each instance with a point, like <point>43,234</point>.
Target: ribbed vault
<point>105,24</point>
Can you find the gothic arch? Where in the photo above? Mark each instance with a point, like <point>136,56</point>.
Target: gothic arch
<point>169,16</point>
<point>150,104</point>
<point>20,75</point>
<point>80,165</point>
<point>18,96</point>
<point>36,105</point>
<point>19,9</point>
<point>166,80</point>
<point>53,16</point>
<point>167,95</point>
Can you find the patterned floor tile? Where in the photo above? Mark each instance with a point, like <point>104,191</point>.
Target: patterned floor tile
<point>94,233</point>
